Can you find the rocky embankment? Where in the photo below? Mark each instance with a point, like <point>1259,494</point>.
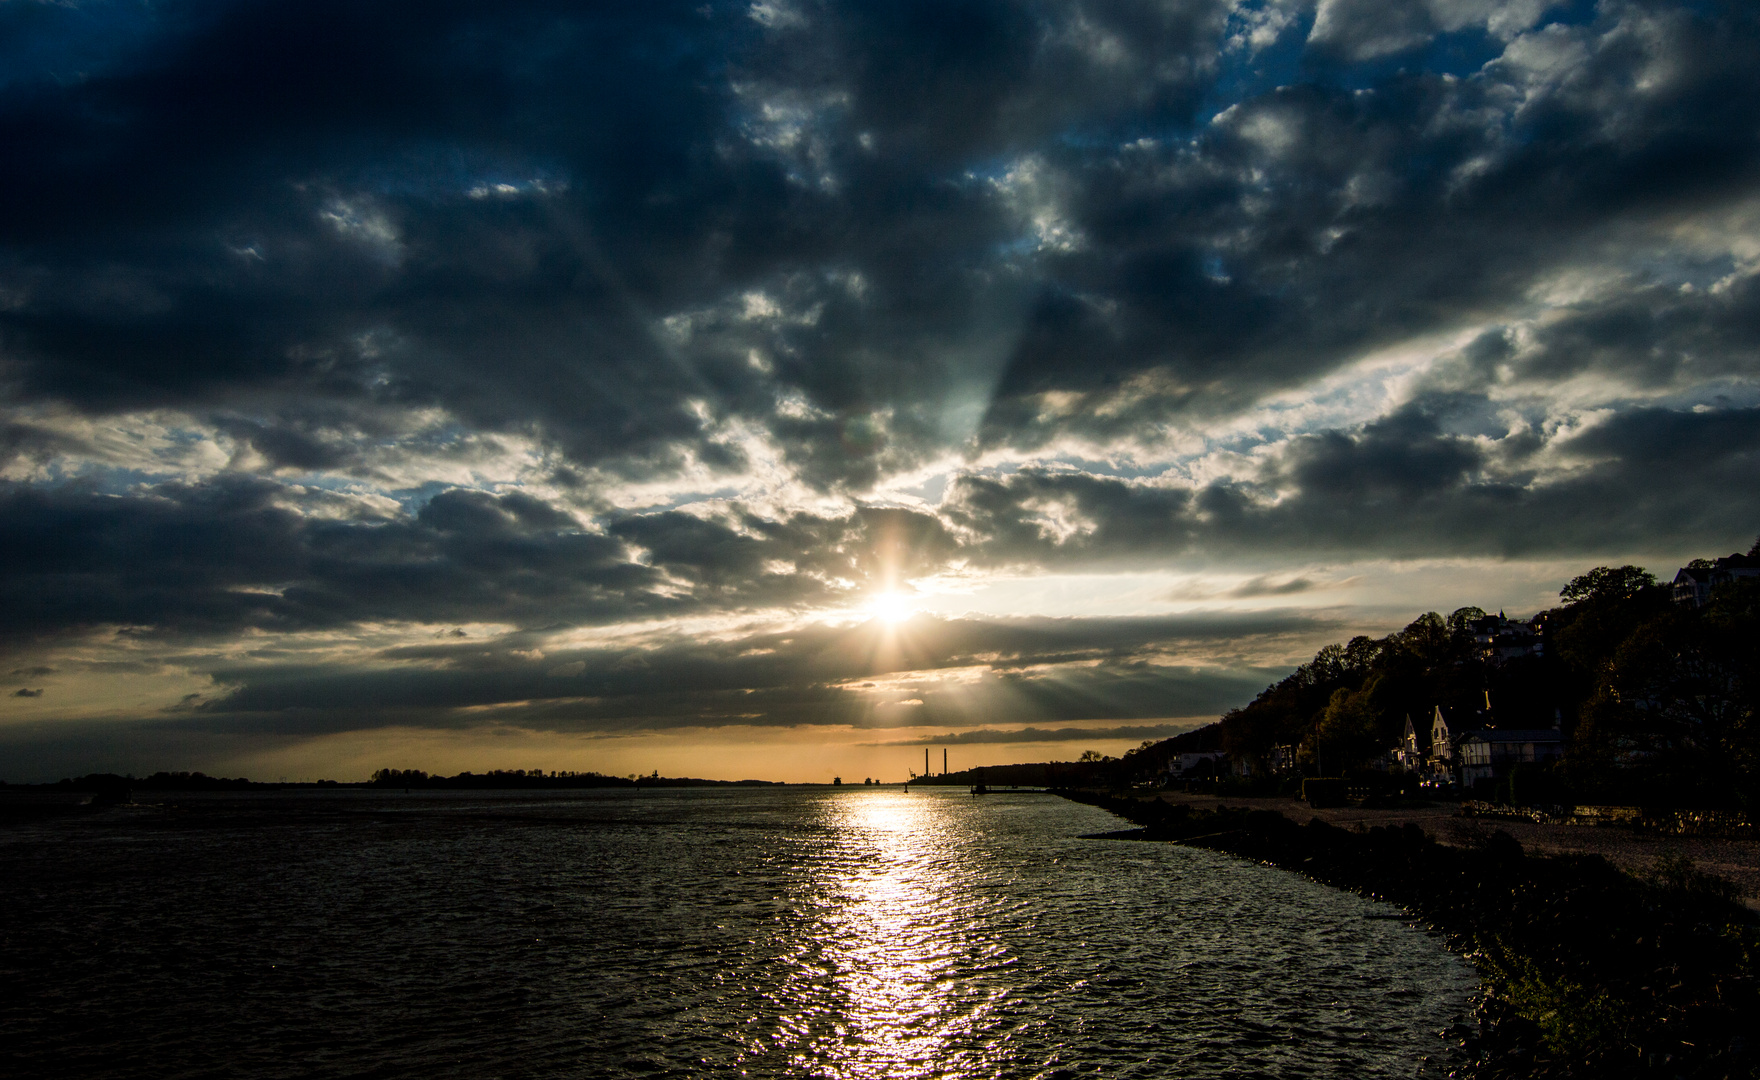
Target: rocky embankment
<point>1590,972</point>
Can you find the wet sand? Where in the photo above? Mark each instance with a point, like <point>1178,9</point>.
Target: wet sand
<point>1737,861</point>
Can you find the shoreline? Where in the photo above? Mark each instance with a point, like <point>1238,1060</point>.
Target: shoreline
<point>1635,852</point>
<point>1588,971</point>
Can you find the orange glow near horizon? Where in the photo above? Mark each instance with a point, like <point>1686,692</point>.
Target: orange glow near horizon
<point>789,755</point>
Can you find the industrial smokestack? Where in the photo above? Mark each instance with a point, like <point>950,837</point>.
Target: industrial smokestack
<point>944,761</point>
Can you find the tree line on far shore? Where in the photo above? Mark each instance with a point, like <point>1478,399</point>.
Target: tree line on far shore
<point>119,786</point>
<point>538,778</point>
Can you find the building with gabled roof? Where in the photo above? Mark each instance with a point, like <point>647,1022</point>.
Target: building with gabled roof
<point>1441,739</point>
<point>1693,584</point>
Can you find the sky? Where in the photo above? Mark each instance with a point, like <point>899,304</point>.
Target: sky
<point>773,389</point>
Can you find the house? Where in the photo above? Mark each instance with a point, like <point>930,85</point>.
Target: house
<point>1501,639</point>
<point>1694,582</point>
<point>1197,763</point>
<point>1411,752</point>
<point>1692,585</point>
<point>1441,740</point>
<point>1490,753</point>
<point>1443,756</point>
<point>1517,640</point>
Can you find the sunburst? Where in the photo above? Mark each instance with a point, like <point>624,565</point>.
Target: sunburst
<point>892,607</point>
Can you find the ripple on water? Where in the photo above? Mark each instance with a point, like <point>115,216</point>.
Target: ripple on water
<point>794,932</point>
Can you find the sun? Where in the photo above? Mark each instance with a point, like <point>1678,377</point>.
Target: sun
<point>891,607</point>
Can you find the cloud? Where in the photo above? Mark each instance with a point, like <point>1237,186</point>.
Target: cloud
<point>1399,486</point>
<point>240,552</point>
<point>23,692</point>
<point>236,553</point>
<point>347,255</point>
<point>1361,30</point>
<point>1044,735</point>
<point>1262,586</point>
<point>325,328</point>
<point>815,674</point>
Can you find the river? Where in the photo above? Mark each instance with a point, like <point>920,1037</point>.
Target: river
<point>764,932</point>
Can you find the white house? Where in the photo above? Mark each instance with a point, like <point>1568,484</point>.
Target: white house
<point>1441,740</point>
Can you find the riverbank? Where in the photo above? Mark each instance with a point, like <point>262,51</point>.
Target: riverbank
<point>1589,970</point>
<point>1639,853</point>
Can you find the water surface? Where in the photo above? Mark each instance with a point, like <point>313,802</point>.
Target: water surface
<point>792,932</point>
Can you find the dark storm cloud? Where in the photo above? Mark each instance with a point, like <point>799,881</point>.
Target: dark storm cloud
<point>25,443</point>
<point>1398,459</point>
<point>236,553</point>
<point>1656,444</point>
<point>218,557</point>
<point>1652,335</point>
<point>286,446</point>
<point>680,240</point>
<point>487,207</point>
<point>1032,668</point>
<point>954,82</point>
<point>1399,487</point>
<point>1315,222</point>
<point>490,208</point>
<point>279,198</point>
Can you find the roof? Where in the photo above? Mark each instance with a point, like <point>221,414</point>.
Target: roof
<point>1738,564</point>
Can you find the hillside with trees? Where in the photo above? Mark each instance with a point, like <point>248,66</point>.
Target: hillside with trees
<point>1657,700</point>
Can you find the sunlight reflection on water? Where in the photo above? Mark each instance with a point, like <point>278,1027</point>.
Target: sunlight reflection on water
<point>894,927</point>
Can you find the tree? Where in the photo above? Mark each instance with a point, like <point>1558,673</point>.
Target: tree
<point>1461,620</point>
<point>1425,639</point>
<point>1349,731</point>
<point>1674,717</point>
<point>399,777</point>
<point>1607,605</point>
<point>1607,583</point>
